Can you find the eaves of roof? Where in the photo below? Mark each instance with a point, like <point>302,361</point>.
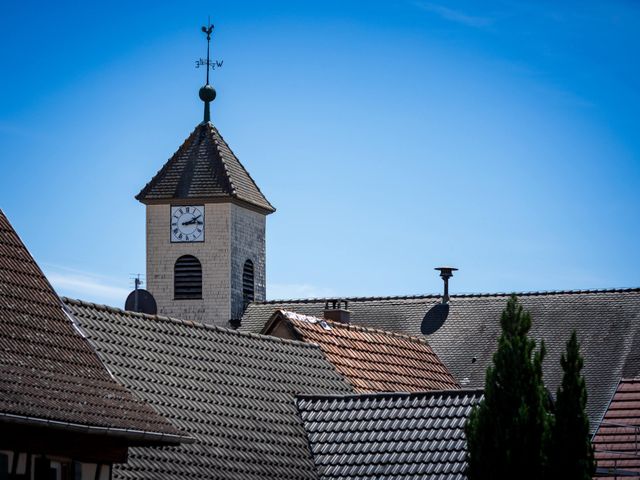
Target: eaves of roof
<point>131,435</point>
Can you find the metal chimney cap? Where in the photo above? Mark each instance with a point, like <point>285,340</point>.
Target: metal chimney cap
<point>446,271</point>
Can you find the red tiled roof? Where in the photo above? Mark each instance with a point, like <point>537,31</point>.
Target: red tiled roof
<point>373,360</point>
<point>617,440</point>
<point>48,372</point>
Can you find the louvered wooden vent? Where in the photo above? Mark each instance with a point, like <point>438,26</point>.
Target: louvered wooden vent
<point>247,283</point>
<point>187,280</point>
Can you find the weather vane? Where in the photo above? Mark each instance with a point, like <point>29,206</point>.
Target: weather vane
<point>207,93</point>
<point>208,63</point>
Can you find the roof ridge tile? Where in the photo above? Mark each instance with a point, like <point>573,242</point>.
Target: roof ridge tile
<point>214,131</point>
<point>384,395</point>
<point>164,318</point>
<point>455,295</point>
<point>166,166</point>
<point>357,328</point>
<point>242,165</point>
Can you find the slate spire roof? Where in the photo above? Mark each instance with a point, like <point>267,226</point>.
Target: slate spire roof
<point>49,374</point>
<point>205,168</point>
<point>371,360</point>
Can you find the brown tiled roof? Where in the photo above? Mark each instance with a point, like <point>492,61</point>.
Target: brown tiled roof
<point>617,441</point>
<point>204,167</point>
<point>48,372</point>
<point>373,360</point>
<point>607,323</point>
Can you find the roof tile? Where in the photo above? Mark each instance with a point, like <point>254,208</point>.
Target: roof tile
<point>204,167</point>
<point>607,323</point>
<point>232,391</point>
<point>373,360</point>
<point>49,372</point>
<point>617,440</point>
<point>389,435</point>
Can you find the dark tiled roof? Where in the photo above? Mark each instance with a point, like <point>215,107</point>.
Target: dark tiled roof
<point>391,436</point>
<point>204,167</point>
<point>373,360</point>
<point>607,322</point>
<point>617,441</point>
<point>232,391</point>
<point>48,372</point>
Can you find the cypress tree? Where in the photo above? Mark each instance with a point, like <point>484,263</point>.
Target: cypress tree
<point>507,430</point>
<point>570,450</point>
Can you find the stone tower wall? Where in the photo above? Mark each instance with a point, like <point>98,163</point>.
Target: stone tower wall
<point>247,242</point>
<point>214,255</point>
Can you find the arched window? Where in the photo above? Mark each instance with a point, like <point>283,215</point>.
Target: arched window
<point>187,278</point>
<point>248,287</point>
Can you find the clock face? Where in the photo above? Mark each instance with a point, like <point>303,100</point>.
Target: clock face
<point>187,223</point>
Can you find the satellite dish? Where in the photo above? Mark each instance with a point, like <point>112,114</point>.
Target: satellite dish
<point>141,301</point>
<point>434,318</point>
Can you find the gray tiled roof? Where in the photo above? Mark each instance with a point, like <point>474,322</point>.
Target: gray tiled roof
<point>49,374</point>
<point>607,322</point>
<point>232,391</point>
<point>204,167</point>
<point>389,435</point>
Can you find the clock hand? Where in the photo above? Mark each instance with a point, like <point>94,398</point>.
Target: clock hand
<point>192,221</point>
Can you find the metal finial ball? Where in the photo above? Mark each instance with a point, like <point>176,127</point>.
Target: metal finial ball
<point>207,93</point>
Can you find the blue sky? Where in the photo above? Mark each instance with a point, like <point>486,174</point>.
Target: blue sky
<point>500,137</point>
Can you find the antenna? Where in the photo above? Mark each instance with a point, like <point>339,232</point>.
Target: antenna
<point>137,281</point>
<point>140,300</point>
<point>207,92</point>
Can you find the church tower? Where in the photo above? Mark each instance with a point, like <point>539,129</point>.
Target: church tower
<point>206,221</point>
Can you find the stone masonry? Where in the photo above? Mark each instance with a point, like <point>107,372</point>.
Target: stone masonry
<point>247,243</point>
<point>233,234</point>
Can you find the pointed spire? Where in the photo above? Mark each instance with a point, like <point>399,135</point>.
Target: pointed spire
<point>207,93</point>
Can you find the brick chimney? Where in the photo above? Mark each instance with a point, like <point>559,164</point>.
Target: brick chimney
<point>337,311</point>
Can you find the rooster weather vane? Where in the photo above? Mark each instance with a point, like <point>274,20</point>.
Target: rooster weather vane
<point>211,64</point>
<point>207,93</point>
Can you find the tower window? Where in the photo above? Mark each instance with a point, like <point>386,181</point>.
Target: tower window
<point>248,287</point>
<point>187,278</point>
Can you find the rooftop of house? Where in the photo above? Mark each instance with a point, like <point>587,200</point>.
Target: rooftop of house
<point>51,376</point>
<point>617,440</point>
<point>234,392</point>
<point>205,168</point>
<point>607,323</point>
<point>371,360</point>
<point>389,435</point>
